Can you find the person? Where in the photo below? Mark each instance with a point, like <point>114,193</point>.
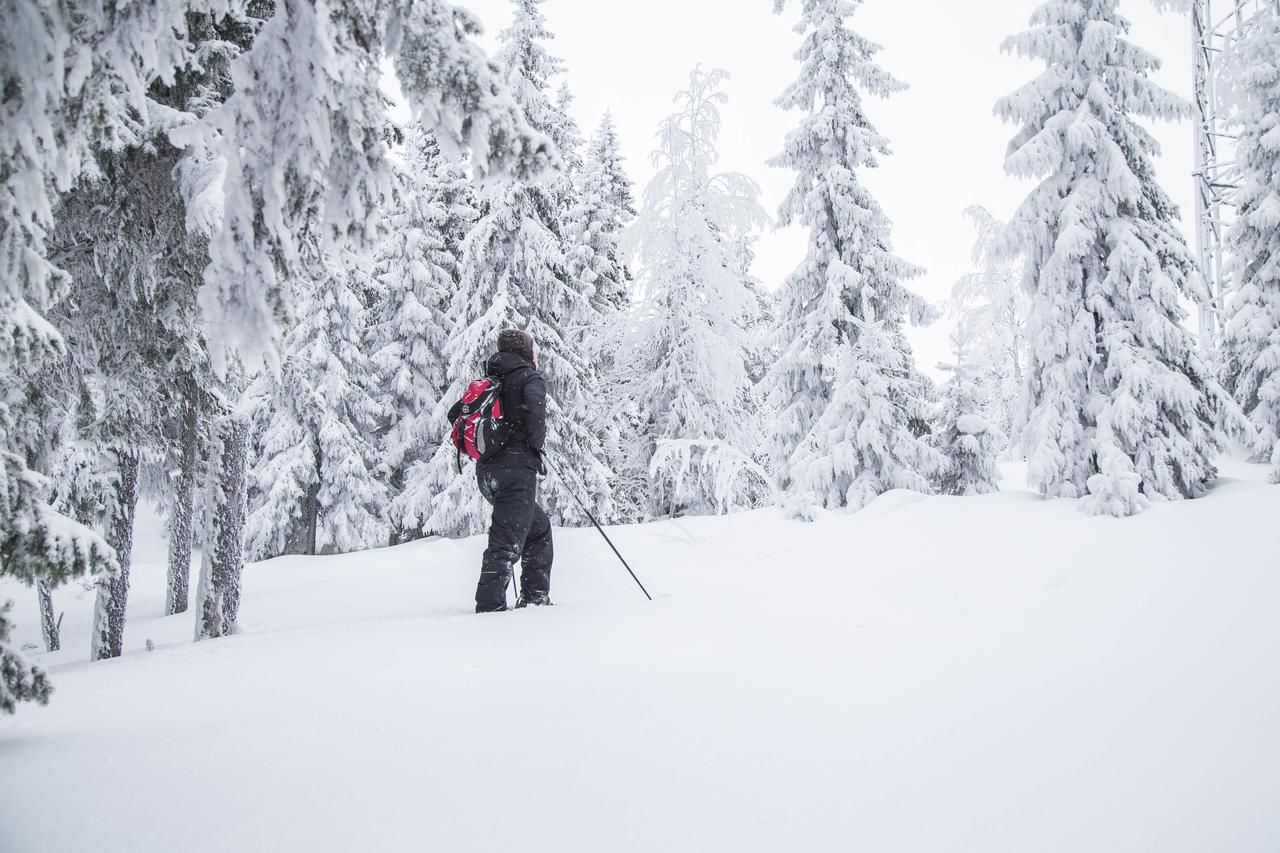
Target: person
<point>519,530</point>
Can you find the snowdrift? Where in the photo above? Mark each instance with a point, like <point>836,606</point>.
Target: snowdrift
<point>976,674</point>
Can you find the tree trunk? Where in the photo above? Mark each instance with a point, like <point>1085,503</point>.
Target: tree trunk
<point>178,594</point>
<point>113,592</point>
<point>223,562</point>
<point>48,620</point>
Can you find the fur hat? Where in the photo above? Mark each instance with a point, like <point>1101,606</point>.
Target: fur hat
<point>518,342</point>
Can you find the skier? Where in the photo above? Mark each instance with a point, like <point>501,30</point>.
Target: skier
<point>520,530</point>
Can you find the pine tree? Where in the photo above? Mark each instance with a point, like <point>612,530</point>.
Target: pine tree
<point>195,389</point>
<point>218,596</point>
<point>1121,406</point>
<point>968,439</point>
<point>418,274</point>
<point>74,84</point>
<point>107,640</point>
<point>1251,340</point>
<point>606,151</point>
<point>844,385</point>
<point>137,374</point>
<point>315,480</point>
<point>595,224</point>
<point>593,233</point>
<point>688,361</point>
<point>514,275</point>
<point>302,147</point>
<point>132,343</point>
<point>567,136</point>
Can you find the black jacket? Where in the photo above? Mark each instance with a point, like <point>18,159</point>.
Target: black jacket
<point>524,406</point>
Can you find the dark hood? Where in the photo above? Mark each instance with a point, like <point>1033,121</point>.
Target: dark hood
<point>502,364</point>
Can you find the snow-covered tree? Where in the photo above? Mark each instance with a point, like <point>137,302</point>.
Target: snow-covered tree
<point>567,136</point>
<point>218,595</point>
<point>299,153</point>
<point>1121,407</point>
<point>687,361</point>
<point>515,275</point>
<point>593,231</point>
<point>132,351</point>
<point>966,437</point>
<point>418,270</point>
<point>76,81</point>
<point>315,479</point>
<point>844,385</point>
<point>989,310</point>
<point>1251,339</point>
<point>595,224</point>
<point>137,375</point>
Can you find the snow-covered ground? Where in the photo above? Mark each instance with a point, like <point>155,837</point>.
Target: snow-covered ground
<point>980,674</point>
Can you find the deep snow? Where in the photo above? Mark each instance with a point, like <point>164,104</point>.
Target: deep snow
<point>998,673</point>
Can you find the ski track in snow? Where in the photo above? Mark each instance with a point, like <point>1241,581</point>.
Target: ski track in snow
<point>970,674</point>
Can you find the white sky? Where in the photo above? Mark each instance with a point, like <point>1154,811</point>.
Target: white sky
<point>631,58</point>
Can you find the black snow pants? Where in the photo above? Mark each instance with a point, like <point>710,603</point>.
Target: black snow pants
<point>520,531</point>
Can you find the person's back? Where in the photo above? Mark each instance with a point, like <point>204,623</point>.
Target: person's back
<point>520,529</point>
<point>524,405</point>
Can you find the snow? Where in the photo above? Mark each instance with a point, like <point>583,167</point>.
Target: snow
<point>922,675</point>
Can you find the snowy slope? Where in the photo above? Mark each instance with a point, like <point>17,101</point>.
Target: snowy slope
<point>981,674</point>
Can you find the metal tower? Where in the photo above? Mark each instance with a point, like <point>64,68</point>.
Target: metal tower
<point>1214,24</point>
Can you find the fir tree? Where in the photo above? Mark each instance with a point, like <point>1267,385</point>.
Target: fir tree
<point>968,439</point>
<point>595,224</point>
<point>218,595</point>
<point>137,376</point>
<point>315,480</point>
<point>1251,340</point>
<point>1121,406</point>
<point>845,404</point>
<point>594,230</point>
<point>514,274</point>
<point>418,273</point>
<point>301,145</point>
<point>688,379</point>
<point>567,136</point>
<point>74,84</point>
<point>130,328</point>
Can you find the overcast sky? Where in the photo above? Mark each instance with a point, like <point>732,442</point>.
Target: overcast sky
<point>631,57</point>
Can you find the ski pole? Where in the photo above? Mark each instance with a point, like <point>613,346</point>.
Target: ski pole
<point>597,526</point>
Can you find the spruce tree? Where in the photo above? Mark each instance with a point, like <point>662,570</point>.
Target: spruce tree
<point>966,436</point>
<point>515,274</point>
<point>222,560</point>
<point>301,145</point>
<point>593,233</point>
<point>1251,339</point>
<point>595,224</point>
<point>53,118</point>
<point>1121,407</point>
<point>844,385</point>
<point>137,376</point>
<point>315,479</point>
<point>418,272</point>
<point>687,363</point>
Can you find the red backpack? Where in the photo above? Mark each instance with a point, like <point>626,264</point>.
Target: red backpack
<point>479,430</point>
